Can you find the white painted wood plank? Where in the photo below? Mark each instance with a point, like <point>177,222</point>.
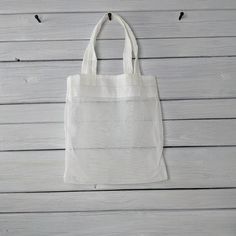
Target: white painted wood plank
<point>177,78</point>
<point>176,109</point>
<point>13,6</point>
<point>118,200</point>
<point>200,132</point>
<point>32,136</point>
<point>160,24</point>
<point>198,109</point>
<point>178,223</point>
<point>149,48</point>
<point>203,167</point>
<point>177,133</point>
<point>23,113</point>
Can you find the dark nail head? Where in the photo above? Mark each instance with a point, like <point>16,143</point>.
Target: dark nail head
<point>181,15</point>
<point>109,16</point>
<point>37,18</point>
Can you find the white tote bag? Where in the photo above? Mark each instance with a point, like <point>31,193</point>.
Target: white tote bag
<point>113,123</point>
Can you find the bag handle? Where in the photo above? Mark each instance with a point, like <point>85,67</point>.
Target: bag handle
<point>89,64</point>
<point>134,49</point>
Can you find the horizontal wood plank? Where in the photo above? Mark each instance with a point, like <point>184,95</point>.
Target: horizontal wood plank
<point>181,78</point>
<point>67,26</point>
<point>202,167</point>
<point>27,6</point>
<point>179,109</point>
<point>118,200</point>
<point>149,48</point>
<point>198,109</point>
<point>178,223</point>
<point>177,133</point>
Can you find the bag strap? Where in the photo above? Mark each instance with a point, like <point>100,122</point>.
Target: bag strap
<point>89,64</point>
<point>134,48</point>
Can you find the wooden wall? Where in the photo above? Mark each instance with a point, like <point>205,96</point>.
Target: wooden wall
<point>195,61</point>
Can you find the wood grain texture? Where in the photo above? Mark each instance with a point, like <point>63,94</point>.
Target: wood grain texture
<point>176,109</point>
<point>27,6</point>
<point>182,78</point>
<point>178,223</point>
<point>67,26</point>
<point>177,133</point>
<point>148,48</point>
<point>118,200</point>
<point>202,167</point>
<point>194,60</point>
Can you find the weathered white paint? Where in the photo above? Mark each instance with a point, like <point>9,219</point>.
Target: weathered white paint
<point>203,167</point>
<point>12,6</point>
<point>145,25</point>
<point>175,109</point>
<point>204,31</point>
<point>118,200</point>
<point>177,78</point>
<point>106,49</point>
<point>178,223</point>
<point>177,133</point>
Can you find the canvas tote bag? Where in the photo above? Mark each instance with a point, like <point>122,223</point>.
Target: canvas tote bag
<point>113,123</point>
